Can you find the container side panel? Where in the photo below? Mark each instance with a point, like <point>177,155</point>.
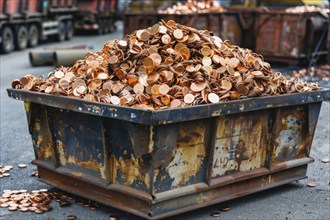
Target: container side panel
<point>290,134</point>
<point>201,23</point>
<point>79,141</point>
<point>40,130</point>
<point>180,154</point>
<point>268,27</point>
<point>214,21</point>
<point>128,153</point>
<point>241,143</point>
<point>230,28</point>
<point>290,35</point>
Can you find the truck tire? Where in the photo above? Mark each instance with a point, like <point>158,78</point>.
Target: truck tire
<point>106,26</point>
<point>69,30</point>
<point>101,27</point>
<point>7,44</point>
<point>21,38</point>
<point>33,35</point>
<point>61,31</point>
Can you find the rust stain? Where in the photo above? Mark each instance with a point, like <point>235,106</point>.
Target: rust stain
<point>186,163</point>
<point>189,153</point>
<point>91,164</point>
<point>131,169</point>
<point>289,141</point>
<point>61,152</point>
<point>27,106</point>
<point>239,145</point>
<point>151,140</point>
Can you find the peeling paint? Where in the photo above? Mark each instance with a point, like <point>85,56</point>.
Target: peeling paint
<point>151,141</point>
<point>130,170</point>
<point>290,139</point>
<point>27,106</point>
<point>61,152</point>
<point>186,163</point>
<point>239,145</point>
<point>216,113</point>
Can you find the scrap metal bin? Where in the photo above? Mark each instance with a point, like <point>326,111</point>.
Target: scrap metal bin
<point>161,163</point>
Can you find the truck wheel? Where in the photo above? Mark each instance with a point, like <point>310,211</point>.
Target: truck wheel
<point>111,25</point>
<point>7,44</point>
<point>69,30</point>
<point>106,26</point>
<point>21,39</point>
<point>61,32</point>
<point>101,27</point>
<point>33,35</point>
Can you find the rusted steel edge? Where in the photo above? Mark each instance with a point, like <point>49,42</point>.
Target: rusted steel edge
<point>291,163</point>
<point>96,194</point>
<point>233,178</point>
<point>99,195</point>
<point>95,181</point>
<point>223,199</point>
<point>148,117</point>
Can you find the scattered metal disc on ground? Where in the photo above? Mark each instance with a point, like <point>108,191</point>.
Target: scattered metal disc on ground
<point>311,184</point>
<point>113,217</point>
<point>325,160</point>
<point>225,208</point>
<point>215,214</point>
<point>22,165</point>
<point>71,217</point>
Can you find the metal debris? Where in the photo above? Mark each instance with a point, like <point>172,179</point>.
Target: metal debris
<point>311,184</point>
<point>22,165</point>
<point>325,160</point>
<point>215,214</point>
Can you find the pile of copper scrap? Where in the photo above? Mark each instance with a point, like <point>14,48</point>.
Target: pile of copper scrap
<point>38,201</point>
<point>307,8</point>
<point>168,65</point>
<point>321,72</point>
<point>193,7</point>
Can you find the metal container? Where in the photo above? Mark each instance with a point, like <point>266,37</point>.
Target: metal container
<point>139,20</point>
<point>157,164</point>
<point>202,21</point>
<point>237,25</point>
<point>295,37</point>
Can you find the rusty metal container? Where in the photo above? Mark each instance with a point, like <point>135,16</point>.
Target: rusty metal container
<point>294,37</point>
<point>161,163</point>
<point>139,20</point>
<point>237,25</point>
<point>202,21</point>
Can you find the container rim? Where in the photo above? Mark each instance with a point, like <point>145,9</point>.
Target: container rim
<point>167,116</point>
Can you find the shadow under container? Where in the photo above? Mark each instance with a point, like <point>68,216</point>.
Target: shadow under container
<point>157,164</point>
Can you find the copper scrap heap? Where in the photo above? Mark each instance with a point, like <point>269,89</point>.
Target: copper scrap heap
<point>166,66</point>
<point>191,7</point>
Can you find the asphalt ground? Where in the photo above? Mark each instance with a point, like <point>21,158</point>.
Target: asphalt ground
<point>291,201</point>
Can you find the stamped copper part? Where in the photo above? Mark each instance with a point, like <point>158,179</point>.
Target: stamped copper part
<point>167,65</point>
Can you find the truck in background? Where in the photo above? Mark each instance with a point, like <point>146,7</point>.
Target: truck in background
<point>96,15</point>
<point>23,23</point>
